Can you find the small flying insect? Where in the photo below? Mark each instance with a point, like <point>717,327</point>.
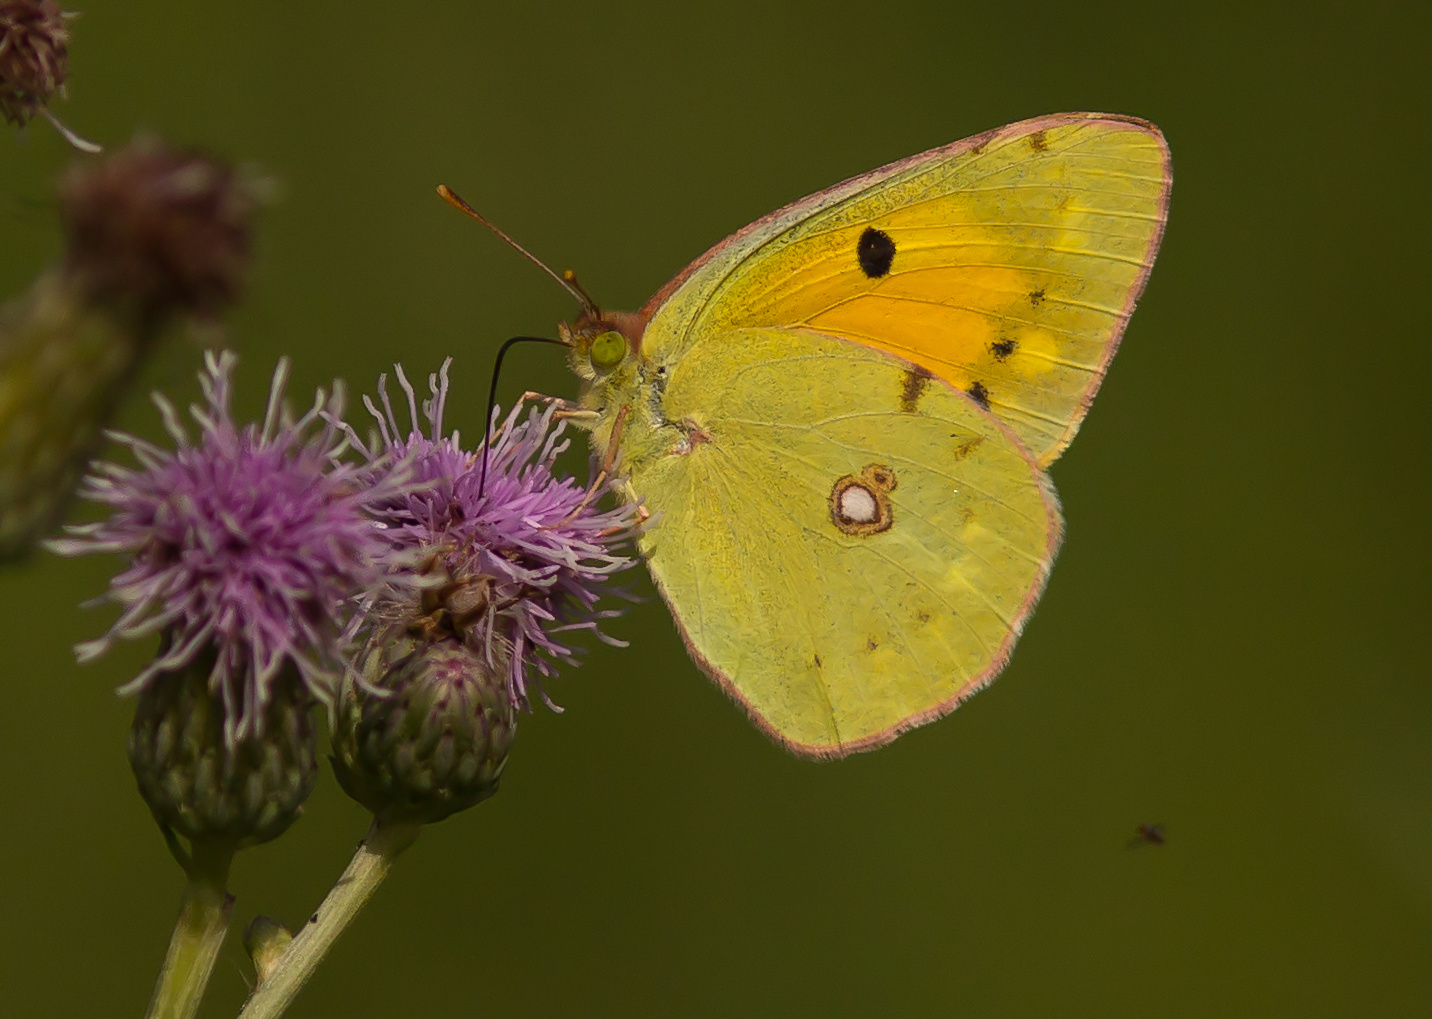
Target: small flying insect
<point>1147,835</point>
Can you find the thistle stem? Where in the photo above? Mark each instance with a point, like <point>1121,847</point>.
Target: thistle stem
<point>198,933</point>
<point>370,864</point>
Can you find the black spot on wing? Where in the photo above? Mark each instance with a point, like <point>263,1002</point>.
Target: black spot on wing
<point>1039,141</point>
<point>916,378</point>
<point>1001,349</point>
<point>875,251</point>
<point>979,394</point>
<point>1036,298</point>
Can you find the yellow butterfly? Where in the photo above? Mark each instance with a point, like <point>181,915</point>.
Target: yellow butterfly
<point>841,417</point>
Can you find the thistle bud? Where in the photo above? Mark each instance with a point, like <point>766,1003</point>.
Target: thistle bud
<point>63,367</point>
<point>33,56</point>
<point>265,939</point>
<point>430,737</point>
<point>200,785</point>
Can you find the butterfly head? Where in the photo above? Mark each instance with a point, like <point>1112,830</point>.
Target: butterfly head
<point>603,345</point>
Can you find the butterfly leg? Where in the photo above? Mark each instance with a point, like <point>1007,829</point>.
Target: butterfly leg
<point>566,410</point>
<point>643,515</point>
<point>608,462</point>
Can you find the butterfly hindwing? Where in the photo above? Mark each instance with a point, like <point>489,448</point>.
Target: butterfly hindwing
<point>1007,264</point>
<point>851,555</point>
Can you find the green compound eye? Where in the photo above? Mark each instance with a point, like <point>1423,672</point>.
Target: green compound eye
<point>608,349</point>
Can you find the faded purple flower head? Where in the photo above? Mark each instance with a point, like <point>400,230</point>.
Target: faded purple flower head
<point>33,53</point>
<point>255,542</point>
<point>158,229</point>
<point>513,566</point>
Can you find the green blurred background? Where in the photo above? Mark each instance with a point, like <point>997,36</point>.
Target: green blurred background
<point>1234,641</point>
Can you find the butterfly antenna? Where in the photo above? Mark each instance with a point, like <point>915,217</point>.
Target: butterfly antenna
<point>567,280</point>
<point>492,398</point>
<point>588,304</point>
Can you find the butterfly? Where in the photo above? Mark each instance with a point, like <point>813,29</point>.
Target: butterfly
<point>841,417</point>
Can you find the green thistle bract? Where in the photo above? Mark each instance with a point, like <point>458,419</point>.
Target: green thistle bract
<point>435,741</point>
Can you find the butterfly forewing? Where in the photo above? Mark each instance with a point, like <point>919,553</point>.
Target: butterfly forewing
<point>1006,264</point>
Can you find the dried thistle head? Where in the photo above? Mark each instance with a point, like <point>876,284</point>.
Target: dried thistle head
<point>33,56</point>
<point>158,230</point>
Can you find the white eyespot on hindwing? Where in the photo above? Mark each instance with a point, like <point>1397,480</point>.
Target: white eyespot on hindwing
<point>860,503</point>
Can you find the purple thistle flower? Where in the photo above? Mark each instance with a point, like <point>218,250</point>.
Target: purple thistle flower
<point>512,566</point>
<point>253,543</point>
